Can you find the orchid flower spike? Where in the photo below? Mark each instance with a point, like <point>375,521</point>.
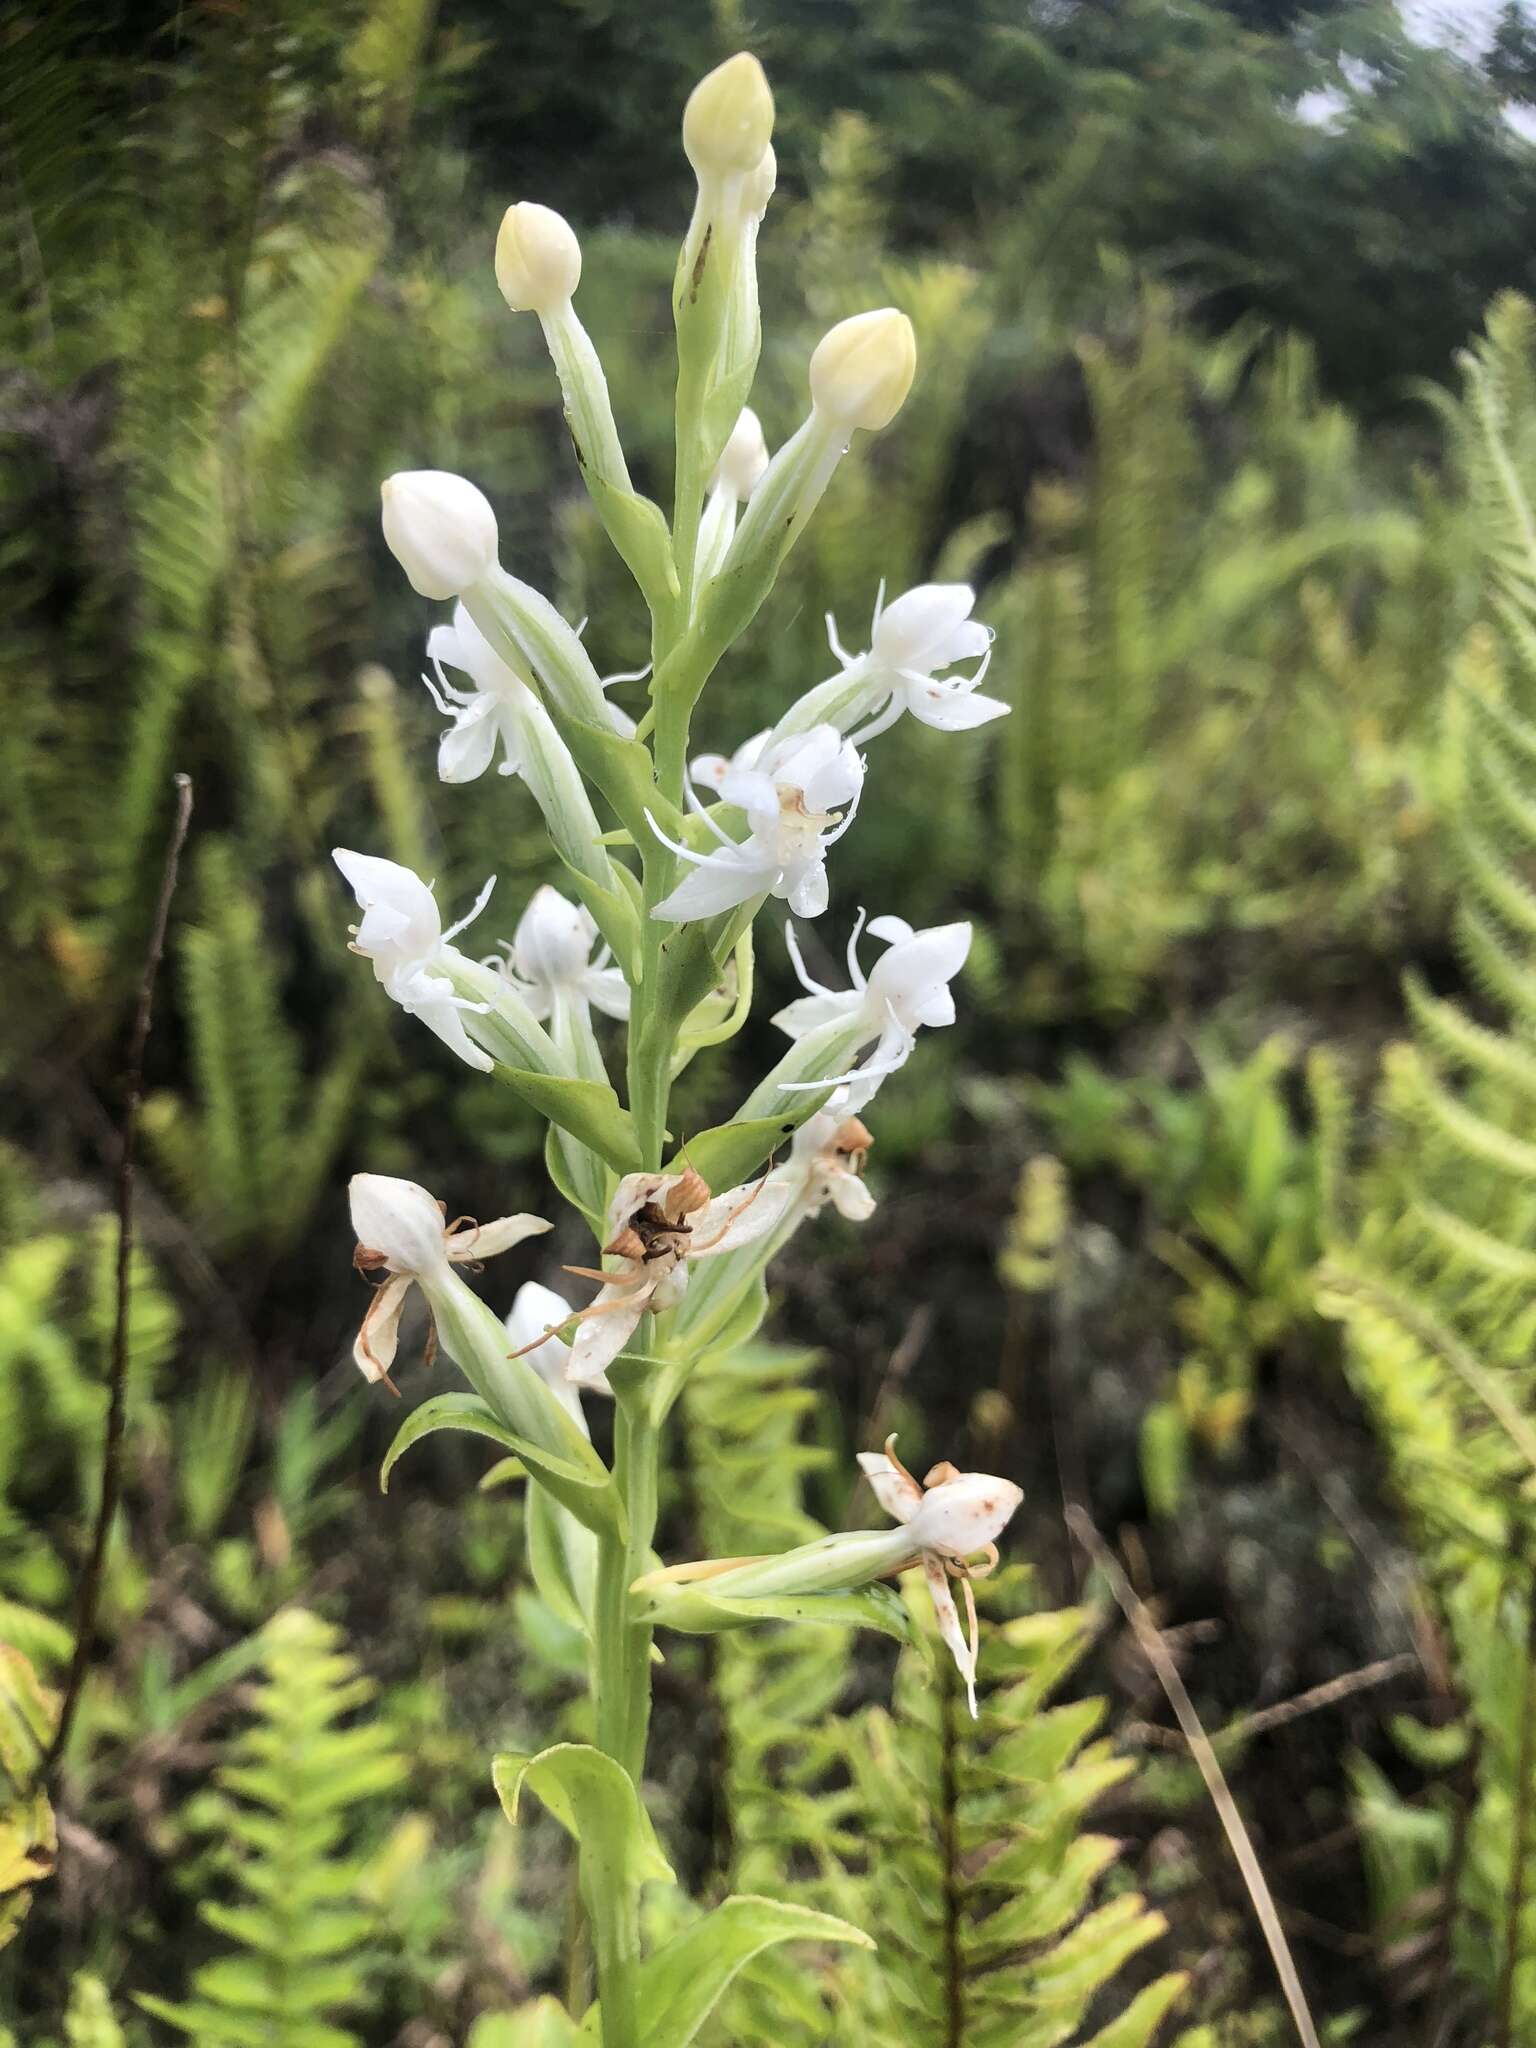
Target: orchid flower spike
<point>493,711</point>
<point>907,988</point>
<point>551,959</point>
<point>535,1311</point>
<point>952,1518</point>
<point>405,1235</point>
<point>912,644</point>
<point>794,798</point>
<point>402,934</point>
<point>826,1161</point>
<point>657,1224</point>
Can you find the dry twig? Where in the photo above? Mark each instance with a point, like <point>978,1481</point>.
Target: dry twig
<point>112,1453</point>
<point>1156,1654</point>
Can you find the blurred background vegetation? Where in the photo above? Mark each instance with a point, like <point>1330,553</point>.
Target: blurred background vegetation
<point>1212,1215</point>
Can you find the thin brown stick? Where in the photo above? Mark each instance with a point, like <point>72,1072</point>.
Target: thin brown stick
<point>112,1452</point>
<point>1303,1703</point>
<point>1156,1654</point>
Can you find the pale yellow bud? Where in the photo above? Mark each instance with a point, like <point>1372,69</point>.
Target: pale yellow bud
<point>728,120</point>
<point>862,370</point>
<point>538,258</point>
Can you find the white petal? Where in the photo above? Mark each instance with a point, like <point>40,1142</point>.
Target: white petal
<point>807,893</point>
<point>398,1218</point>
<point>534,1310</point>
<point>720,883</point>
<point>954,710</point>
<point>600,1339</point>
<point>373,1350</point>
<point>964,1653</point>
<point>898,1494</point>
<point>966,1513</point>
<point>736,1218</point>
<point>443,1016</point>
<point>400,912</point>
<point>553,941</point>
<point>468,747</point>
<point>606,989</point>
<point>809,1013</point>
<point>485,1240</point>
<point>750,790</point>
<point>891,929</point>
<point>849,1196</point>
<point>915,631</point>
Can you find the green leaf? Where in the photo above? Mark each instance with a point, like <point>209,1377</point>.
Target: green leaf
<point>543,2024</point>
<point>469,1413</point>
<point>621,769</point>
<point>594,1799</point>
<point>682,1983</point>
<point>694,1610</point>
<point>727,1154</point>
<point>589,1110</point>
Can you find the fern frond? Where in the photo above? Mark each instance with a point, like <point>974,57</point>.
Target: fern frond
<point>295,1784</point>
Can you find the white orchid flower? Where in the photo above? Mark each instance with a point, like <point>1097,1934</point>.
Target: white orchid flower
<point>913,643</point>
<point>403,1233</point>
<point>402,934</point>
<point>550,959</point>
<point>658,1223</point>
<point>826,1161</point>
<point>800,796</point>
<point>907,988</point>
<point>535,1311</point>
<point>495,711</point>
<point>951,1518</point>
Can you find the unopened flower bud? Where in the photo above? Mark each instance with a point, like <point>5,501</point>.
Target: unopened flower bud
<point>862,370</point>
<point>728,121</point>
<point>744,456</point>
<point>440,529</point>
<point>538,258</point>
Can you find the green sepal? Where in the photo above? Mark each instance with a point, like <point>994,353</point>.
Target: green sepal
<point>589,1110</point>
<point>639,531</point>
<point>555,1167</point>
<point>681,1984</point>
<point>561,1558</point>
<point>594,1799</point>
<point>694,1610</point>
<point>621,769</point>
<point>728,1154</point>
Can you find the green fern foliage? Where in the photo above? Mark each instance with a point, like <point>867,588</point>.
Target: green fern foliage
<point>1434,1285</point>
<point>968,1844</point>
<point>293,1790</point>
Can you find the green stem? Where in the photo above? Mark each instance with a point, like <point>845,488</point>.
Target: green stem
<point>621,1686</point>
